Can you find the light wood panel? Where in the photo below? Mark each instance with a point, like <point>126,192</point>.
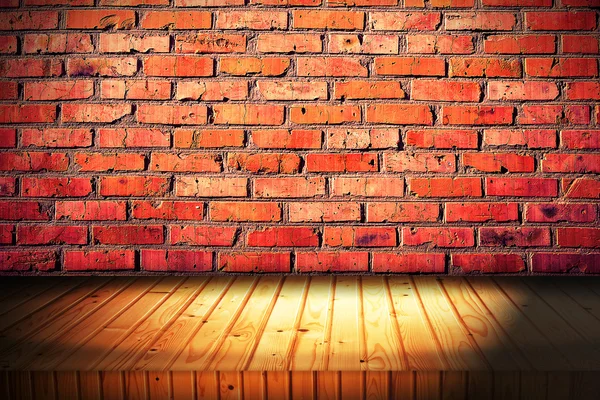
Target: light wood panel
<point>298,323</point>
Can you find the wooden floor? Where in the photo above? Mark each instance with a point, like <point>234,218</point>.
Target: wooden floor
<point>319,323</point>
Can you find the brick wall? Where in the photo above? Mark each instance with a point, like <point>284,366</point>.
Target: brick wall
<point>445,136</point>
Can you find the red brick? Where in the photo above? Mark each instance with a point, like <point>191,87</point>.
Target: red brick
<point>28,20</point>
<point>7,186</point>
<point>172,114</point>
<point>351,138</point>
<point>583,91</point>
<point>212,3</point>
<point>263,66</point>
<point>248,114</point>
<point>48,234</point>
<point>363,162</point>
<point>404,21</point>
<point>287,236</point>
<point>485,67</point>
<point>24,210</point>
<point>424,263</point>
<point>185,162</point>
<point>133,3</point>
<point>522,187</point>
<point>561,67</point>
<point>525,44</point>
<point>582,188</point>
<point>101,66</point>
<point>45,43</point>
<point>58,90</point>
<point>324,114</point>
<point>8,44</point>
<point>264,163</point>
<point>439,90</point>
<point>86,162</point>
<point>514,237</point>
<point>410,66</point>
<point>578,237</point>
<point>99,260</point>
<point>445,187</point>
<point>210,138</point>
<point>331,67</point>
<point>581,139</point>
<point>30,67</point>
<point>255,262</point>
<point>571,163</point>
<point>290,90</point>
<point>580,44</point>
<point>257,20</point>
<point>8,138</point>
<point>348,236</point>
<point>132,137</point>
<point>517,3</point>
<point>481,212</point>
<point>527,90</point>
<point>480,21</point>
<point>530,138</point>
<point>553,114</point>
<point>6,233</point>
<point>440,44</point>
<point>29,113</point>
<point>477,115</point>
<point>442,139</point>
<point>169,210</point>
<point>560,21</point>
<point>554,212</point>
<point>359,3</point>
<point>99,19</point>
<point>438,237</point>
<point>245,211</point>
<point>402,212</point>
<point>133,185</point>
<point>211,186</point>
<point>94,112</point>
<point>330,261</point>
<point>498,162</point>
<point>354,89</point>
<point>419,162</point>
<point>210,43</point>
<point>33,161</point>
<point>363,44</point>
<point>187,19</point>
<point>289,43</point>
<point>211,91</point>
<point>27,260</point>
<point>289,187</point>
<point>127,43</point>
<point>284,139</point>
<point>488,263</point>
<point>368,187</point>
<point>56,187</point>
<point>446,3</point>
<point>135,89</point>
<point>401,114</point>
<point>9,90</point>
<point>90,210</point>
<point>325,19</point>
<point>203,235</point>
<point>565,262</point>
<point>178,66</point>
<point>324,212</point>
<point>128,234</point>
<point>176,260</point>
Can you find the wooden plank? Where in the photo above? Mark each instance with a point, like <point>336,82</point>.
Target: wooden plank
<point>352,385</point>
<point>384,350</point>
<point>507,385</point>
<point>421,348</point>
<point>43,385</point>
<point>203,342</point>
<point>496,346</point>
<point>254,385</point>
<point>565,339</point>
<point>237,346</point>
<point>377,385</point>
<point>135,385</point>
<point>207,385</point>
<point>328,385</point>
<point>480,384</point>
<point>4,386</point>
<point>344,350</point>
<point>196,294</point>
<point>454,385</point>
<point>531,342</point>
<point>402,385</point>
<point>68,341</point>
<point>580,293</point>
<point>168,343</point>
<point>102,341</point>
<point>18,345</point>
<point>310,347</point>
<point>303,385</point>
<point>20,385</point>
<point>585,385</point>
<point>158,385</point>
<point>428,385</point>
<point>89,385</point>
<point>230,385</point>
<point>460,350</point>
<point>37,288</point>
<point>183,385</point>
<point>112,385</point>
<point>275,344</point>
<point>67,386</point>
<point>278,385</point>
<point>534,385</point>
<point>12,285</point>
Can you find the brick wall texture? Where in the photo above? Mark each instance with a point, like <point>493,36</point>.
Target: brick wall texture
<point>403,136</point>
